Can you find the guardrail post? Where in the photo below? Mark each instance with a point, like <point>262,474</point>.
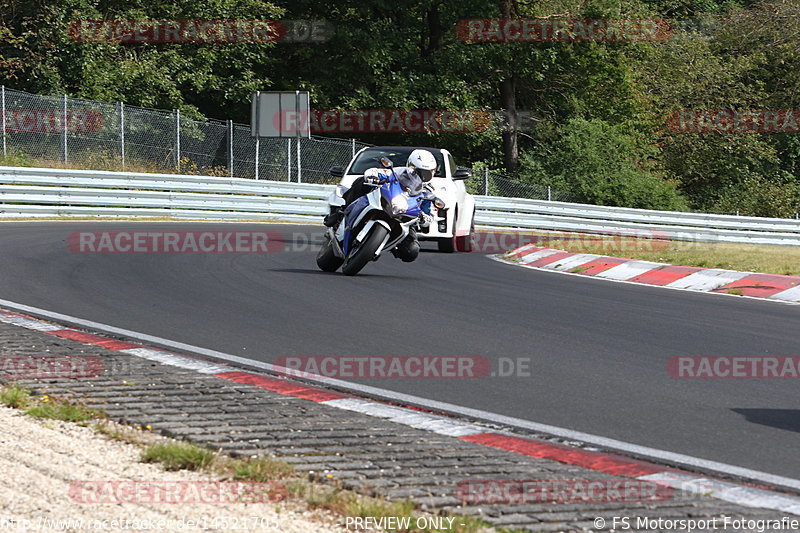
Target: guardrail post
<point>258,146</point>
<point>122,132</point>
<point>64,125</point>
<point>3,90</point>
<point>230,148</point>
<point>178,139</point>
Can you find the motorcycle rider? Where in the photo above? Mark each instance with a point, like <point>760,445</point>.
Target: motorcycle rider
<point>419,170</point>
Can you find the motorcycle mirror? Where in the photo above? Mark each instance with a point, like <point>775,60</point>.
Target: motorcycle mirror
<point>386,162</point>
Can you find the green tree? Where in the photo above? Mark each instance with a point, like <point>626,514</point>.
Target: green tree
<point>600,164</point>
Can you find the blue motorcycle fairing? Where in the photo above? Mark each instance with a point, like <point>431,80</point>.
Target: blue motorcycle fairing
<point>350,216</point>
<point>417,205</point>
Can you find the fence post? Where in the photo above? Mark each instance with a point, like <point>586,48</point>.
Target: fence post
<point>353,143</point>
<point>3,90</point>
<point>486,181</point>
<point>289,160</point>
<point>299,170</point>
<point>178,139</point>
<point>122,132</point>
<point>230,148</point>
<point>64,125</point>
<point>548,193</point>
<point>297,133</point>
<point>258,146</point>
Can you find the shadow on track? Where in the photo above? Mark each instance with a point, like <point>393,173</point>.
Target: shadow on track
<point>788,419</point>
<point>321,273</point>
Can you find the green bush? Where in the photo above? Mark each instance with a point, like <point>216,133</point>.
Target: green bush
<point>760,197</point>
<point>15,160</point>
<point>601,164</point>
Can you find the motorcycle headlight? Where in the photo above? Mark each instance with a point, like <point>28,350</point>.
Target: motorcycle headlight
<point>399,204</point>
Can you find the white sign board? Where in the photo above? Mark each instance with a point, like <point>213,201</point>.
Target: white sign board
<point>280,114</point>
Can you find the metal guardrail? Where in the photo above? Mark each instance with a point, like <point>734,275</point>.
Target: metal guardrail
<point>40,192</point>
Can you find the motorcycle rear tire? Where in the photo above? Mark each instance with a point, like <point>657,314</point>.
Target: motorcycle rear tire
<point>366,252</point>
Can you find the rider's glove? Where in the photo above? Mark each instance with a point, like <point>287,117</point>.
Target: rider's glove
<point>425,220</point>
<point>373,176</point>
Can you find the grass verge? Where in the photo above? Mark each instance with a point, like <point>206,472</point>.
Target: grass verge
<point>13,395</point>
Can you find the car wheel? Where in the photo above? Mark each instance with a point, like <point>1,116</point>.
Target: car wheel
<point>447,245</point>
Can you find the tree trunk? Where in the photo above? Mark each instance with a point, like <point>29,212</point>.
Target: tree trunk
<point>508,103</point>
<point>435,32</point>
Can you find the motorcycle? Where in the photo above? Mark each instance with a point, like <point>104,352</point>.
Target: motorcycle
<point>376,222</point>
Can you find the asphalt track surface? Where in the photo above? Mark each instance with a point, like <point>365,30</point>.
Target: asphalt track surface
<point>598,349</point>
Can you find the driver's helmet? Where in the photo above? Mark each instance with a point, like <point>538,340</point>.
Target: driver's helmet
<point>422,163</point>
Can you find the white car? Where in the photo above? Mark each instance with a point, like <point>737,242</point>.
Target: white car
<point>451,227</point>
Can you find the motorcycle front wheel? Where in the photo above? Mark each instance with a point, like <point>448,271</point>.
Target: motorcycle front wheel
<point>366,252</point>
<point>326,259</point>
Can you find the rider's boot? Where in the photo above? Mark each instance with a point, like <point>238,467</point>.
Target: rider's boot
<point>408,249</point>
<point>333,218</point>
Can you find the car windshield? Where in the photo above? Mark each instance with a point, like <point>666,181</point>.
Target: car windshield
<point>370,158</point>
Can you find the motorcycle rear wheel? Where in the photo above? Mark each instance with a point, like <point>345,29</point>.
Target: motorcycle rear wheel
<point>366,252</point>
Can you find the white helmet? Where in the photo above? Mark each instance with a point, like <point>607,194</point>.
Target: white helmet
<point>422,163</point>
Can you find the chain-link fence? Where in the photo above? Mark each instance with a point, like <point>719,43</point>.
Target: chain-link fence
<point>85,134</point>
<point>63,131</point>
<point>484,181</point>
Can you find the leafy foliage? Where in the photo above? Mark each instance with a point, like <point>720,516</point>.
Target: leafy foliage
<point>592,116</point>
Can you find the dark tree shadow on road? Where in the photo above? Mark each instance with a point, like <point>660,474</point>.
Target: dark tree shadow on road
<point>788,419</point>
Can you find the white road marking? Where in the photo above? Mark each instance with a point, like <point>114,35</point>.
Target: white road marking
<point>789,295</point>
<point>572,262</point>
<point>629,270</point>
<point>172,359</point>
<point>541,254</point>
<point>709,279</point>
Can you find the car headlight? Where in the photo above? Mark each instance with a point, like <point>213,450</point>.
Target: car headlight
<point>399,204</point>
